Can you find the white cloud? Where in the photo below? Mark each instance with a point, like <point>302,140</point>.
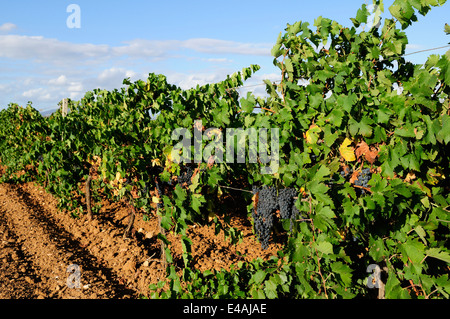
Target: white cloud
<point>46,93</point>
<point>61,80</point>
<point>161,49</point>
<point>65,87</point>
<point>42,94</point>
<point>56,69</point>
<point>218,60</point>
<point>6,27</point>
<point>75,87</point>
<point>4,89</point>
<point>140,48</point>
<point>114,72</point>
<point>113,77</point>
<point>41,49</point>
<point>216,46</point>
<point>28,82</point>
<point>187,81</point>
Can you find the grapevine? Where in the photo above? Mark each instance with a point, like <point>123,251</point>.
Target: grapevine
<point>365,167</point>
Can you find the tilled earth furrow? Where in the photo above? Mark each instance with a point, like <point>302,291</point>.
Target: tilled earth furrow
<point>20,279</point>
<point>52,249</point>
<point>39,243</point>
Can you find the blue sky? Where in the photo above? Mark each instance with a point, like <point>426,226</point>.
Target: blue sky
<point>191,42</point>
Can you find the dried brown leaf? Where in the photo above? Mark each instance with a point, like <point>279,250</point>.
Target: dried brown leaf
<point>361,149</point>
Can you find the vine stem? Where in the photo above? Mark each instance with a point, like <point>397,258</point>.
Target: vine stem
<point>161,230</point>
<point>362,187</point>
<point>413,286</point>
<point>266,109</point>
<point>370,81</point>
<point>385,34</point>
<point>318,258</point>
<point>283,70</point>
<point>428,296</point>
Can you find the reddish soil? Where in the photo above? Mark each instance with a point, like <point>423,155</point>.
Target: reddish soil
<point>38,243</point>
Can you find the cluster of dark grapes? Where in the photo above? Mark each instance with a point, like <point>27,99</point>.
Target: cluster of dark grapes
<point>159,188</point>
<point>146,188</point>
<point>184,179</point>
<point>286,203</point>
<point>363,179</point>
<point>73,162</point>
<point>268,203</point>
<point>263,213</point>
<point>185,176</point>
<point>347,173</point>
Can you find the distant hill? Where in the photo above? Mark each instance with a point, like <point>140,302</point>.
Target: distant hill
<point>47,113</point>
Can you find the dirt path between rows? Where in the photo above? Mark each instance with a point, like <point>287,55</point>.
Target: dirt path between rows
<point>39,245</point>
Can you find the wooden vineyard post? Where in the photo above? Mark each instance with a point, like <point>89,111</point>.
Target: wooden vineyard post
<point>130,222</point>
<point>163,245</point>
<point>88,197</point>
<point>64,111</point>
<point>65,107</point>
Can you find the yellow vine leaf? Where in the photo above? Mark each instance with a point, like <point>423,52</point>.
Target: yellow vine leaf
<point>312,135</point>
<point>156,162</point>
<point>347,152</point>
